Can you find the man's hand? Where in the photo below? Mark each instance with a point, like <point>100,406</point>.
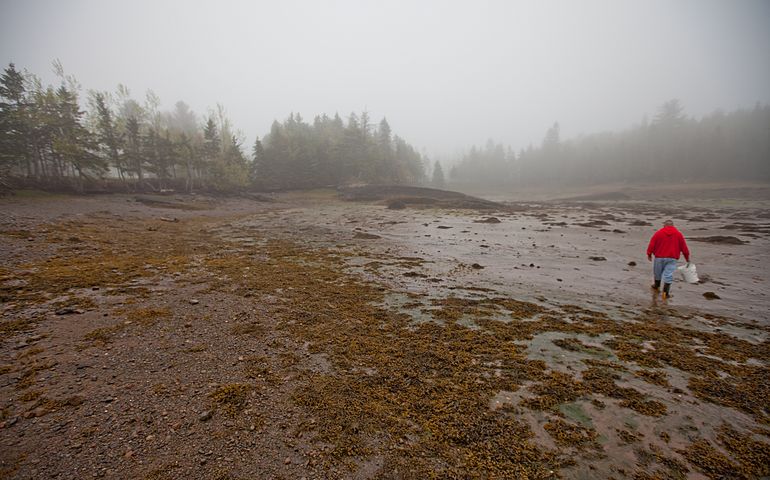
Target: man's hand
<point>649,257</point>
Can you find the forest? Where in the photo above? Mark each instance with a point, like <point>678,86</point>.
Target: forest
<point>116,143</point>
<point>119,144</point>
<point>673,147</point>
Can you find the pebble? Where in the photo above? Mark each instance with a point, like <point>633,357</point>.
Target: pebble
<point>194,301</point>
<point>205,416</point>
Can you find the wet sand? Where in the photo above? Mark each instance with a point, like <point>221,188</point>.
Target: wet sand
<point>544,252</point>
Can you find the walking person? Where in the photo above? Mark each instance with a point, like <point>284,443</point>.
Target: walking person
<point>666,245</point>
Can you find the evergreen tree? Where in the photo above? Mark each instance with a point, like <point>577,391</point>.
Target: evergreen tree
<point>14,131</point>
<point>133,149</point>
<point>107,135</point>
<point>258,163</point>
<point>438,180</point>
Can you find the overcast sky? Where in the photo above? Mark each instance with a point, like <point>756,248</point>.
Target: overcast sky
<point>447,74</point>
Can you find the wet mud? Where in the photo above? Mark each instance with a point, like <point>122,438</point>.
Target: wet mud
<point>319,338</point>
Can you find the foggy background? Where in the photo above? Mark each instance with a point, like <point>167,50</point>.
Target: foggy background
<point>445,74</point>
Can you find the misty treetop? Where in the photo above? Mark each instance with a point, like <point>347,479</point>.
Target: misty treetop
<point>46,138</point>
<point>296,154</point>
<point>670,148</point>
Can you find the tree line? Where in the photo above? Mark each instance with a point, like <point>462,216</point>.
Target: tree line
<point>296,154</point>
<point>671,148</point>
<point>117,142</point>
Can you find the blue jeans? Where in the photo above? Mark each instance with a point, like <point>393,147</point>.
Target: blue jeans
<point>664,267</point>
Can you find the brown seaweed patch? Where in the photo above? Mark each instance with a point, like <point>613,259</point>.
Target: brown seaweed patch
<point>556,388</point>
<point>748,393</point>
<point>655,377</point>
<point>14,326</point>
<point>703,456</point>
<point>571,435</point>
<point>231,398</point>
<point>753,455</point>
<point>104,334</point>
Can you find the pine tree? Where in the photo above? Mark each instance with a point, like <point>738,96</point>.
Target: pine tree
<point>133,149</point>
<point>107,135</point>
<point>258,164</point>
<point>14,131</point>
<point>438,180</point>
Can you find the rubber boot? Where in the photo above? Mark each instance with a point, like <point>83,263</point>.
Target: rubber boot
<point>656,285</point>
<point>667,291</point>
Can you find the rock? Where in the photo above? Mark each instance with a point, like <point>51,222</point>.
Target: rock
<point>205,416</point>
<point>617,230</point>
<point>365,236</point>
<point>9,423</point>
<point>597,259</point>
<point>720,239</point>
<point>287,461</point>
<point>68,311</point>
<point>711,296</point>
<point>477,266</point>
<point>129,453</point>
<point>194,301</point>
<point>443,227</point>
<point>488,220</point>
<point>632,263</point>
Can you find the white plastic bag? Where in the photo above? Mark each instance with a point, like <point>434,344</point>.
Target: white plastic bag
<point>689,273</point>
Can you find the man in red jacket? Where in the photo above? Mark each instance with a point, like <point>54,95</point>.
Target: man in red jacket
<point>666,244</point>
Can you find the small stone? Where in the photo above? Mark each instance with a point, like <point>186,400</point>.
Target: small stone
<point>150,438</point>
<point>205,416</point>
<point>477,266</point>
<point>128,454</point>
<point>597,259</point>
<point>65,311</point>
<point>194,301</point>
<point>711,296</point>
<point>287,461</point>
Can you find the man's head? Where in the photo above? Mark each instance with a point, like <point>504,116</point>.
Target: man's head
<point>668,223</point>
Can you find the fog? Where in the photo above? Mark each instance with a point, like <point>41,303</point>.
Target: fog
<point>446,75</point>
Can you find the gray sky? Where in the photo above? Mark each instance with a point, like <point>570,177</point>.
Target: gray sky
<point>446,74</point>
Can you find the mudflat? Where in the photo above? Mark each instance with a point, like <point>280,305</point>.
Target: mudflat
<point>314,337</point>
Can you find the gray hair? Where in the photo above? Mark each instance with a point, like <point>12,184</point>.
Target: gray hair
<point>668,223</point>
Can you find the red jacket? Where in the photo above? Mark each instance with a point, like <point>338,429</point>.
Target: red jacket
<point>667,243</point>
